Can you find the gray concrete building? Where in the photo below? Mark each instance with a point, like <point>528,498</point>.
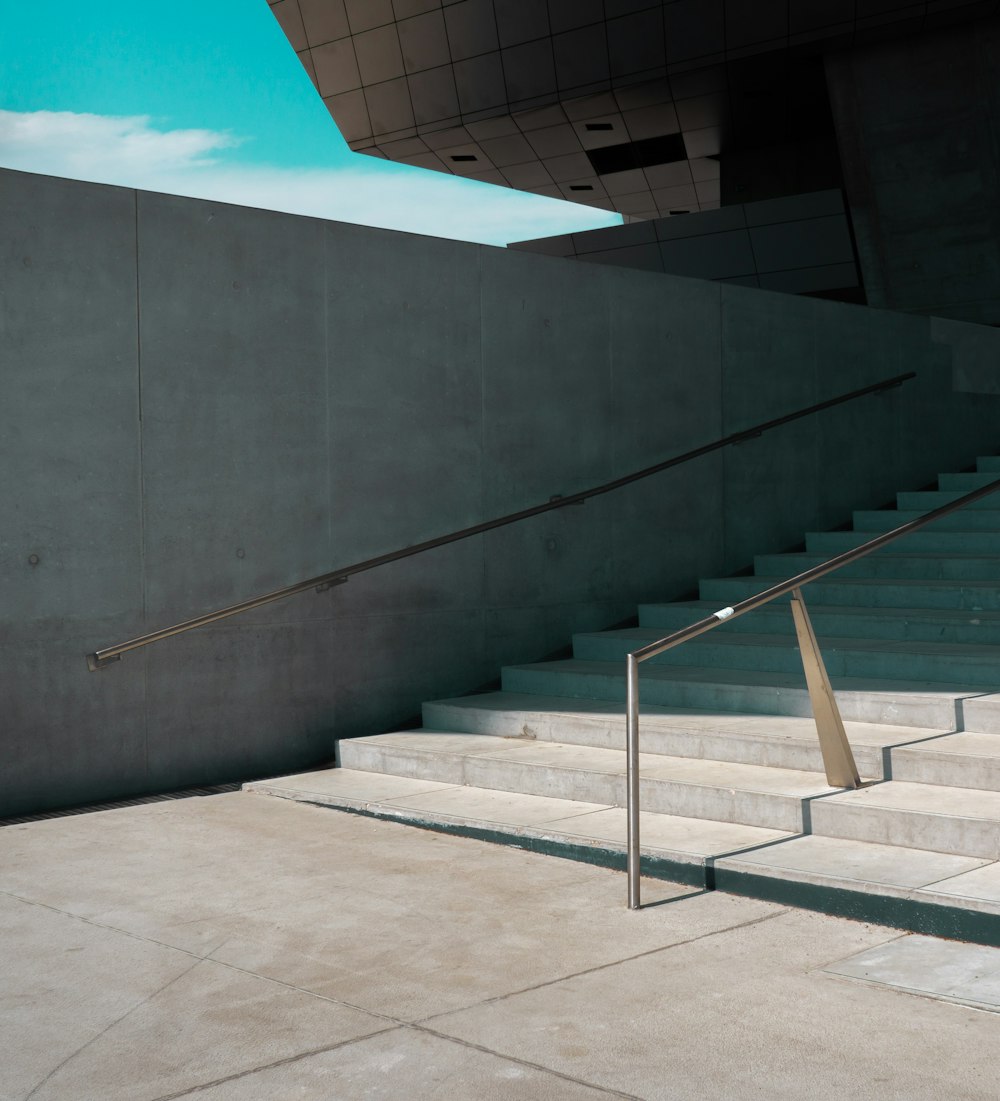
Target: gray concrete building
<point>664,108</point>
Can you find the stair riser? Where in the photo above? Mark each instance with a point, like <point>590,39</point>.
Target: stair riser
<point>988,464</point>
<point>731,590</point>
<point>664,796</point>
<point>917,568</point>
<point>829,543</point>
<point>967,481</point>
<point>947,769</point>
<point>867,707</point>
<point>487,772</point>
<point>936,668</point>
<point>740,747</point>
<point>883,520</point>
<point>925,500</point>
<point>371,757</point>
<point>909,829</point>
<point>889,627</point>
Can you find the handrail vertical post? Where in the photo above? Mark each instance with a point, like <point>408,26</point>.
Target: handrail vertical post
<point>632,777</point>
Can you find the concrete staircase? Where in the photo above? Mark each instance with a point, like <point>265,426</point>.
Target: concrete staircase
<point>733,791</point>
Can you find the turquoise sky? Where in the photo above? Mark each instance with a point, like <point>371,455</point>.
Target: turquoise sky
<point>208,98</point>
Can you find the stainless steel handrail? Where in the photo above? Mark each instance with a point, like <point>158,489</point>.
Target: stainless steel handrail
<point>101,658</point>
<point>716,619</point>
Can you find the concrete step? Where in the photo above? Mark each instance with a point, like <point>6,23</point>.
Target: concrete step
<point>927,540</point>
<point>776,741</point>
<point>918,624</point>
<point>901,703</point>
<point>982,713</point>
<point>988,464</point>
<point>867,592</point>
<point>931,892</point>
<point>594,832</point>
<point>877,521</point>
<point>926,499</point>
<point>723,791</point>
<point>947,663</point>
<point>881,880</point>
<point>965,759</point>
<point>943,819</point>
<point>967,481</point>
<point>919,567</point>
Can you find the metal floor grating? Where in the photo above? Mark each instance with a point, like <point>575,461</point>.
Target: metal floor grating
<point>187,793</point>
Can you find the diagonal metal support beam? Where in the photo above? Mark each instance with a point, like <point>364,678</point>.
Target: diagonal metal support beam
<point>838,760</point>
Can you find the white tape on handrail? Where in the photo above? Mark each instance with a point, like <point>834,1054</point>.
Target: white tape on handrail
<point>723,613</point>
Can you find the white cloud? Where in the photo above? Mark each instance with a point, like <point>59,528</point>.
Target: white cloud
<point>131,152</point>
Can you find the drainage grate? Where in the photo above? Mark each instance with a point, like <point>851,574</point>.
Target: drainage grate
<point>187,793</point>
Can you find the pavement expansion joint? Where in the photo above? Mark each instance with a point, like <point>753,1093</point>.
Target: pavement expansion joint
<point>659,949</point>
<point>288,1061</point>
<point>606,1090</point>
<point>963,974</point>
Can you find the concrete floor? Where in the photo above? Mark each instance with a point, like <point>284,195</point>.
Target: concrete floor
<point>243,947</point>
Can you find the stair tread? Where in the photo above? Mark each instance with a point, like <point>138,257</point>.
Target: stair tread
<point>513,812</point>
<point>644,635</point>
<point>752,677</point>
<point>936,799</point>
<point>658,717</point>
<point>964,743</point>
<point>562,755</point>
<point>867,865</point>
<point>989,699</point>
<point>971,478</point>
<point>883,556</point>
<point>765,581</point>
<point>944,878</point>
<point>864,536</point>
<point>979,519</point>
<point>945,495</point>
<point>945,615</point>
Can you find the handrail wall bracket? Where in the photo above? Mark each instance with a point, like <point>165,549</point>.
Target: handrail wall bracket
<point>324,586</point>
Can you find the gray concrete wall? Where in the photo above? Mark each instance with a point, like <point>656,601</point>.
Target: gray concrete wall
<point>202,402</point>
<point>918,122</point>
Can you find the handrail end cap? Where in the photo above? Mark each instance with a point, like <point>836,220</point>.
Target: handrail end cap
<point>94,662</point>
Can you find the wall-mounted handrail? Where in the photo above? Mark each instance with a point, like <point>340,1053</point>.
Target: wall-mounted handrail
<point>723,615</point>
<point>102,658</point>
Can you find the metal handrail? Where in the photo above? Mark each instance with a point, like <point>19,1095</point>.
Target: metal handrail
<point>101,658</point>
<point>693,630</point>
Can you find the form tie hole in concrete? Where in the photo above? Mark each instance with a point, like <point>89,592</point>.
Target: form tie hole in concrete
<point>240,552</point>
<point>33,560</point>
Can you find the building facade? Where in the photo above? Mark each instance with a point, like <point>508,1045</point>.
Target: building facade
<point>663,108</point>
